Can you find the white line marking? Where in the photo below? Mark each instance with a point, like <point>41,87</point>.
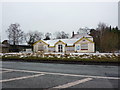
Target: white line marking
<point>6,71</point>
<point>75,75</point>
<point>19,78</point>
<point>73,83</point>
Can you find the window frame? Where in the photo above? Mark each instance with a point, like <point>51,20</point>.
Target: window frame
<point>40,47</point>
<point>60,48</point>
<point>78,47</point>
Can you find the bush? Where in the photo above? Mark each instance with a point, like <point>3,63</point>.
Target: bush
<point>66,57</point>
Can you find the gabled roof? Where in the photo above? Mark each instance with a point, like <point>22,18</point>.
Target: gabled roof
<point>61,42</point>
<point>41,41</point>
<point>84,38</point>
<point>68,42</point>
<point>51,42</point>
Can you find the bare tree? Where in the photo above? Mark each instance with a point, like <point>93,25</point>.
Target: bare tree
<point>61,35</point>
<point>15,34</point>
<point>101,26</point>
<point>32,37</point>
<point>47,36</point>
<point>83,30</point>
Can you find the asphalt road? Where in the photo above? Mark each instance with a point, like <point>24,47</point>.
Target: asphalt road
<point>49,76</point>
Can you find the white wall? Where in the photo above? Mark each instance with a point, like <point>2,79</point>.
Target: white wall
<point>91,47</point>
<point>35,47</point>
<point>45,48</point>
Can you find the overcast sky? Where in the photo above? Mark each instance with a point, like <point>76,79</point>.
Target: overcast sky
<point>58,16</point>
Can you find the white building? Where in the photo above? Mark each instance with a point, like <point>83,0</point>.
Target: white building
<point>78,43</point>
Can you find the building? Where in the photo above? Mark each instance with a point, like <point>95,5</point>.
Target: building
<point>19,48</point>
<point>5,47</point>
<point>78,43</point>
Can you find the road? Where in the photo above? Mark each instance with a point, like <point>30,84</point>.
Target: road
<point>49,76</point>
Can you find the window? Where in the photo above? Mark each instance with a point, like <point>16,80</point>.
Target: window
<point>69,48</point>
<point>60,48</point>
<point>40,48</point>
<point>51,49</point>
<point>84,46</point>
<point>78,47</point>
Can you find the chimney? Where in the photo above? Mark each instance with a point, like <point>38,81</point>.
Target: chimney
<point>73,34</point>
